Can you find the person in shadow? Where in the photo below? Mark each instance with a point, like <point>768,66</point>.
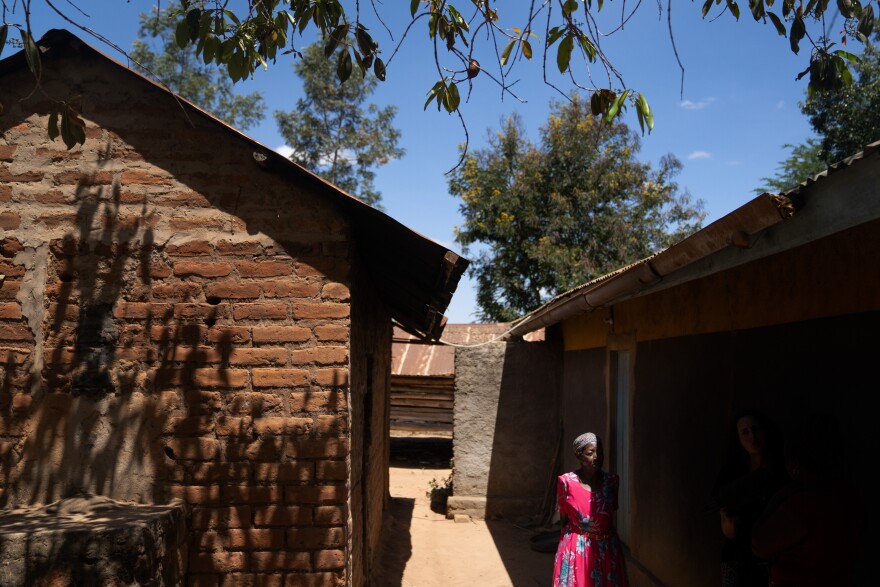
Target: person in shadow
<point>811,529</point>
<point>751,473</point>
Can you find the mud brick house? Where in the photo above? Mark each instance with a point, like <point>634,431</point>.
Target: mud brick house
<point>186,314</point>
<point>776,307</point>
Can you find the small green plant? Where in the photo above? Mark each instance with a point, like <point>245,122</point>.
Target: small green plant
<point>439,492</point>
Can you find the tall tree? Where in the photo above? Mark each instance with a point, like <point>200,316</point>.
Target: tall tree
<point>805,161</point>
<point>544,218</point>
<point>331,130</point>
<point>185,73</point>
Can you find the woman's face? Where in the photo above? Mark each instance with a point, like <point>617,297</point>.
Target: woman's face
<point>592,457</point>
<point>751,437</point>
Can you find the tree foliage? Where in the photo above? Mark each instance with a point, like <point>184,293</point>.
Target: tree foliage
<point>544,218</point>
<point>845,120</point>
<point>185,73</point>
<point>333,133</point>
<point>473,37</point>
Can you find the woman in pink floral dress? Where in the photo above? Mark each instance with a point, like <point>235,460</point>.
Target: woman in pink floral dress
<point>589,553</point>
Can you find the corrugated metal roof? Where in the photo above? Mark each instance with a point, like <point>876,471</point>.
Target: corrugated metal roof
<point>414,358</point>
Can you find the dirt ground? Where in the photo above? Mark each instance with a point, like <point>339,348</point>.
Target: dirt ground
<point>422,548</point>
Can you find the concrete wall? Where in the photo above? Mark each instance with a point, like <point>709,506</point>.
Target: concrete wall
<point>506,431</point>
<point>174,323</point>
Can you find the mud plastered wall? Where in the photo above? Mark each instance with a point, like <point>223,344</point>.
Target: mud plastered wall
<point>174,322</point>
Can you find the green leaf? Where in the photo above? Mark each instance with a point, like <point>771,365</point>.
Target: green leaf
<point>451,99</point>
<point>505,55</point>
<point>798,30</point>
<point>181,34</point>
<point>843,71</point>
<point>379,69</point>
<point>344,66</point>
<point>527,49</point>
<point>554,34</point>
<point>733,7</point>
<point>53,126</point>
<point>645,113</point>
<point>31,53</point>
<point>780,28</point>
<point>588,47</point>
<point>707,6</point>
<point>563,54</point>
<point>615,107</point>
<point>848,56</point>
<point>335,38</point>
<point>413,7</point>
<point>866,21</point>
<point>846,8</point>
<point>4,31</point>
<point>569,7</point>
<point>435,93</point>
<point>757,7</point>
<point>192,22</point>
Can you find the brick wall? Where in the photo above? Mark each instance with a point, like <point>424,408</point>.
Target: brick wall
<point>175,322</point>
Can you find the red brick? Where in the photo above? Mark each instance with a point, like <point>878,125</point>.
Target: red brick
<point>236,291</point>
<point>200,311</point>
<point>9,220</point>
<point>10,311</point>
<point>315,579</point>
<point>14,356</point>
<point>140,177</point>
<point>260,311</point>
<point>277,561</point>
<point>264,268</point>
<point>264,377</point>
<point>331,424</point>
<point>220,472</point>
<point>196,494</point>
<point>252,494</point>
<point>331,377</point>
<point>21,403</point>
<point>284,472</point>
<point>159,270</point>
<point>313,538</point>
<point>141,310</point>
<point>268,579</point>
<point>7,176</point>
<point>190,249</point>
<point>5,193</point>
<point>307,270</point>
<point>202,268</point>
<point>323,310</point>
<point>315,494</point>
<point>192,355</point>
<point>10,246</point>
<point>239,248</point>
<point>226,517</point>
<point>254,403</point>
<point>327,560</point>
<point>281,334</point>
<point>282,515</point>
<point>80,178</point>
<point>311,448</point>
<point>194,449</point>
<point>224,378</point>
<point>232,426</point>
<point>282,426</point>
<point>290,289</point>
<point>181,290</point>
<point>262,449</point>
<point>331,471</point>
<point>10,269</point>
<point>53,197</point>
<point>202,400</point>
<point>9,288</point>
<point>259,356</point>
<point>196,223</point>
<point>320,355</point>
<point>20,332</point>
<point>7,152</point>
<point>335,291</point>
<point>230,334</point>
<point>181,200</point>
<point>216,562</point>
<point>329,515</point>
<point>317,401</point>
<point>243,539</point>
<point>331,332</point>
<point>189,426</point>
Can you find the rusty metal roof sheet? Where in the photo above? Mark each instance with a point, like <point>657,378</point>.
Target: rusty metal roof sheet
<point>413,275</point>
<point>413,357</point>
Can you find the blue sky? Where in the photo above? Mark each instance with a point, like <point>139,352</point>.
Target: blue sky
<point>737,110</point>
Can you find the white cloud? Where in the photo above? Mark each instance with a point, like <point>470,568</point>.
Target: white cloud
<point>700,155</point>
<point>691,105</point>
<point>284,150</point>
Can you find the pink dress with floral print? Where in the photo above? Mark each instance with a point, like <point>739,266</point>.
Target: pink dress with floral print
<point>589,553</point>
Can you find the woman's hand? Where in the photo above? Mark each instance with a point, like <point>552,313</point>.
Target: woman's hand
<point>728,524</point>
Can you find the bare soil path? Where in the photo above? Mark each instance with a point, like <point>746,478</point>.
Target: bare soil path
<point>421,548</point>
